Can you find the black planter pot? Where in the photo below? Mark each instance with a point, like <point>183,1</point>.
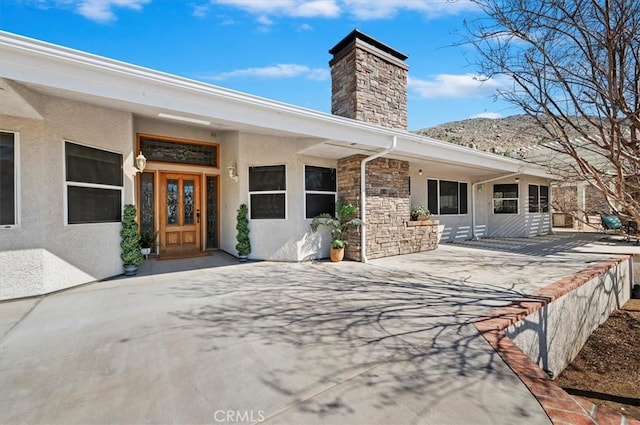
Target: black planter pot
<point>635,292</point>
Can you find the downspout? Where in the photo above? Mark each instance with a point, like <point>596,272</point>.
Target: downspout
<point>473,200</point>
<point>363,197</point>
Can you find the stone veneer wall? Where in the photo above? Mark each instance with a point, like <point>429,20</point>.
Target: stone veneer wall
<point>388,209</point>
<point>369,87</point>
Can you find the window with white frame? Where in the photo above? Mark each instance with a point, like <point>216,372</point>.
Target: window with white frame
<point>505,198</point>
<point>446,197</point>
<point>94,184</point>
<point>320,190</point>
<point>538,198</point>
<point>8,178</point>
<point>268,192</point>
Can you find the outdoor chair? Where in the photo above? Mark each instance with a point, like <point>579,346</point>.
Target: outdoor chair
<point>611,222</point>
<point>629,231</point>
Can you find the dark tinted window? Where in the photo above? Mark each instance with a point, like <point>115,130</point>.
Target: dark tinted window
<point>92,205</point>
<point>7,179</point>
<point>533,199</point>
<point>544,198</point>
<point>319,203</point>
<point>448,197</point>
<point>432,196</point>
<point>89,165</point>
<point>463,198</point>
<point>320,179</point>
<point>268,205</point>
<point>505,191</point>
<point>267,178</point>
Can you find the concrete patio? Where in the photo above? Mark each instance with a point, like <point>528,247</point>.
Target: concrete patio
<point>388,342</point>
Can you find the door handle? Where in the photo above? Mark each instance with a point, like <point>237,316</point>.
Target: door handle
<point>198,216</point>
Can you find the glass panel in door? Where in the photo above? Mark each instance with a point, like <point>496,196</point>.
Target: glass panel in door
<point>180,214</point>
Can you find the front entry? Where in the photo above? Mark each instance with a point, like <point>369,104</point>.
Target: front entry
<point>180,214</point>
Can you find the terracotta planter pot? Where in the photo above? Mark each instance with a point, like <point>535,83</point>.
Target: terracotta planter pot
<point>337,254</point>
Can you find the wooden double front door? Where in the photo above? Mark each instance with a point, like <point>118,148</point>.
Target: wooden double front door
<point>180,214</point>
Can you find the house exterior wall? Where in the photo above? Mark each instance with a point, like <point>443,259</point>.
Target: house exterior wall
<point>388,209</point>
<point>43,254</point>
<point>521,225</point>
<point>487,224</point>
<point>286,239</point>
<point>229,190</point>
<point>452,227</point>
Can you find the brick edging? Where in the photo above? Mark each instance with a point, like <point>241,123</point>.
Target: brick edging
<point>561,407</point>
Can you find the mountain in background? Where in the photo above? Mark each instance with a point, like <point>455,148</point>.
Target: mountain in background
<point>501,135</point>
<point>517,136</point>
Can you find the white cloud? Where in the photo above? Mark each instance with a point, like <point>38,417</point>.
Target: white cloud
<point>102,10</point>
<point>292,8</point>
<point>369,10</point>
<point>201,11</point>
<point>304,27</point>
<point>358,9</point>
<point>450,86</point>
<point>286,70</point>
<point>489,115</point>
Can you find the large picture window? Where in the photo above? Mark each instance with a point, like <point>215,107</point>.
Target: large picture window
<point>268,192</point>
<point>538,198</point>
<point>93,184</point>
<point>505,198</point>
<point>320,190</point>
<point>8,179</point>
<point>446,197</point>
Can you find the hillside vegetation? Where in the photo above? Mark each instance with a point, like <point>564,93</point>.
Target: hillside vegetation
<point>500,135</point>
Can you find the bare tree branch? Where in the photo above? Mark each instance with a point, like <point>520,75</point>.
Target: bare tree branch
<point>575,70</point>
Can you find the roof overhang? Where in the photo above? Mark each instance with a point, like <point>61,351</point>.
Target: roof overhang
<point>68,73</point>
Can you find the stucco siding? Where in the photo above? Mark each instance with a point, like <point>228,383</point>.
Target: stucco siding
<point>452,227</point>
<point>524,224</point>
<point>43,254</point>
<point>286,239</point>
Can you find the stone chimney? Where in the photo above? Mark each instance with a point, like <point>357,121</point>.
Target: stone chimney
<point>369,81</point>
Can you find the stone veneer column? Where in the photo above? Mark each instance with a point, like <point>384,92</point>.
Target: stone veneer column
<point>369,81</point>
<point>388,209</point>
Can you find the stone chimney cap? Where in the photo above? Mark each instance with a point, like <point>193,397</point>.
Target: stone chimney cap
<point>357,34</point>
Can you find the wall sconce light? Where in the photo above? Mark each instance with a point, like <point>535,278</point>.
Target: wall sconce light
<point>517,179</point>
<point>141,163</point>
<point>420,172</point>
<point>231,170</point>
<point>480,187</point>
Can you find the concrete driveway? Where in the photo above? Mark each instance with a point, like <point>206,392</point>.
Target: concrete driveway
<point>389,342</point>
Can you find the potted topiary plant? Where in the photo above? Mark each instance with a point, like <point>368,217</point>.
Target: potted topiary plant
<point>130,243</point>
<point>420,213</point>
<point>243,245</point>
<point>339,224</point>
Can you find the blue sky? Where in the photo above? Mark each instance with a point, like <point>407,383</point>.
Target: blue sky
<point>277,49</point>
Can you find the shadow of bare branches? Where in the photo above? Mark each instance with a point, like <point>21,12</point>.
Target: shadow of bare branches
<point>399,335</point>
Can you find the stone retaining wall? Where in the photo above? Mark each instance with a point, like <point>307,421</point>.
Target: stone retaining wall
<point>538,335</point>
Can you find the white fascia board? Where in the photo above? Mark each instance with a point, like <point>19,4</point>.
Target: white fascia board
<point>449,152</point>
<point>37,62</point>
<point>41,63</point>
